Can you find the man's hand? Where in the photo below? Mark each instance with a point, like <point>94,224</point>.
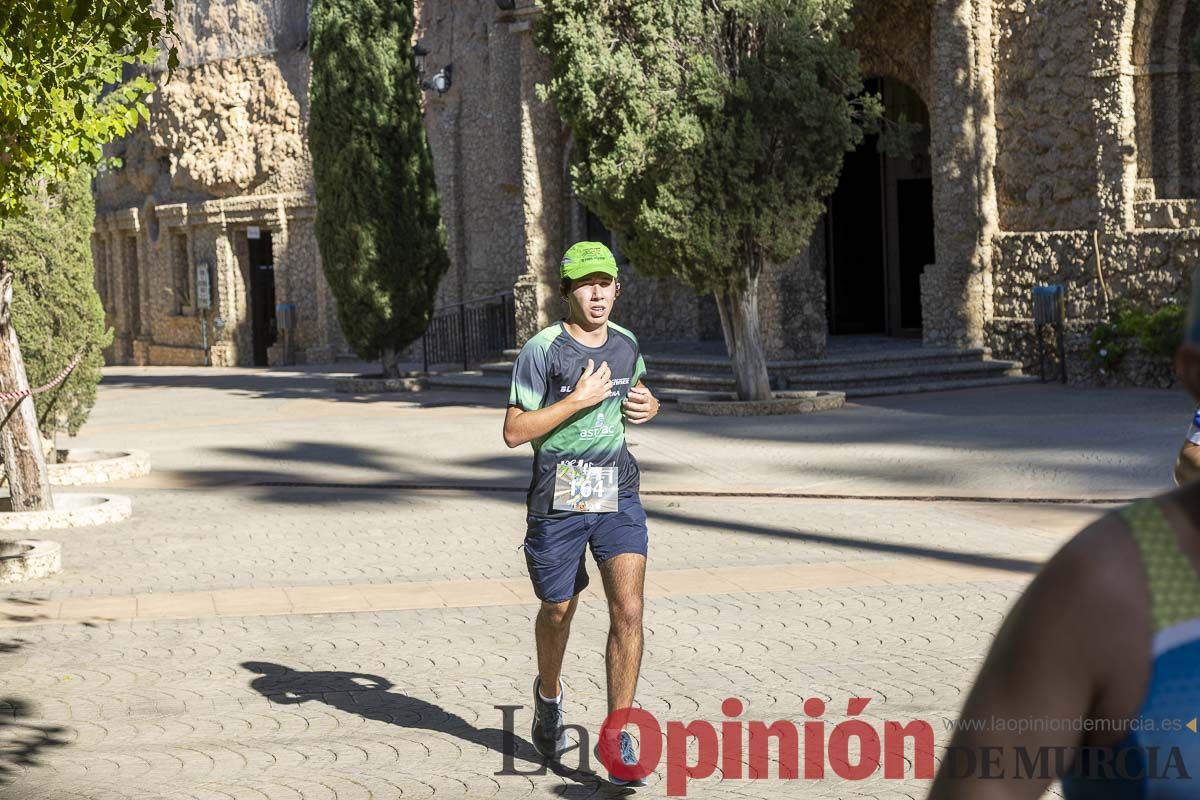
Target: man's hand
<point>641,406</point>
<point>593,385</point>
<point>1187,463</point>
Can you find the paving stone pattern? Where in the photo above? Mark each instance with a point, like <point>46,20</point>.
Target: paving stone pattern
<point>344,700</point>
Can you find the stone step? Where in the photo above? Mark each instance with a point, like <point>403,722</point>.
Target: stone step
<point>693,381</point>
<point>478,382</point>
<point>938,386</point>
<point>846,380</point>
<point>897,357</point>
<point>497,368</point>
<point>473,379</point>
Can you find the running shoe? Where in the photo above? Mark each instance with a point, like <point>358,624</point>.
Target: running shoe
<point>548,735</point>
<point>628,758</point>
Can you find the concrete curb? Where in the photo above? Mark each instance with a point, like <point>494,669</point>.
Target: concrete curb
<point>781,403</point>
<point>79,467</point>
<point>71,511</point>
<point>27,559</point>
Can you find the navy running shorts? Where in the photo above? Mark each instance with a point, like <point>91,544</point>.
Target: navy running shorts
<point>556,549</point>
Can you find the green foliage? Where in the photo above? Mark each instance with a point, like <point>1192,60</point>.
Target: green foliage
<point>57,59</point>
<point>56,309</point>
<point>1160,332</point>
<point>1107,346</point>
<point>1157,333</point>
<point>707,132</point>
<point>378,226</point>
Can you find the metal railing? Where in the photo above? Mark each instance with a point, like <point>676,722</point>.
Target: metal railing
<point>471,331</point>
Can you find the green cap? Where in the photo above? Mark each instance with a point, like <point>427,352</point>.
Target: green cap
<point>584,258</point>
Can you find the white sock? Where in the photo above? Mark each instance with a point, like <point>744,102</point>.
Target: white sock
<point>554,700</point>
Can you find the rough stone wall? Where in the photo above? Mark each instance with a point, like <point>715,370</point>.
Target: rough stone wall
<point>1147,267</point>
<point>224,150</point>
<point>1104,61</point>
<point>893,40</point>
<point>472,132</point>
<point>1045,166</point>
<point>231,120</point>
<point>656,309</point>
<point>233,128</point>
<point>791,304</point>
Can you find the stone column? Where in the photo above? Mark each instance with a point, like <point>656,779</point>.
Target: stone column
<point>1113,101</point>
<point>229,302</point>
<point>956,291</point>
<point>542,187</point>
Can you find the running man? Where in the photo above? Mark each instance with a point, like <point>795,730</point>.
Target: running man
<point>574,387</point>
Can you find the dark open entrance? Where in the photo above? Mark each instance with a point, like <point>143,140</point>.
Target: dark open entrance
<point>879,228</point>
<point>262,295</point>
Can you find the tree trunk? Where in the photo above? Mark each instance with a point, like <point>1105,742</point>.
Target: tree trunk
<point>743,339</point>
<point>20,440</point>
<point>390,360</point>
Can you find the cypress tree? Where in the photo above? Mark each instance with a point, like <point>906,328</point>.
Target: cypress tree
<point>378,226</point>
<point>56,309</point>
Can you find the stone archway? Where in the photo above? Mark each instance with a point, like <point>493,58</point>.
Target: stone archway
<point>1166,87</point>
<point>879,228</point>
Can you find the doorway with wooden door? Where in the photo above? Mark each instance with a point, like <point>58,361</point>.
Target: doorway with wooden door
<point>262,294</point>
<point>879,227</point>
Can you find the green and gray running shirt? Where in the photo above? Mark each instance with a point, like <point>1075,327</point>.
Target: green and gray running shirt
<point>544,373</point>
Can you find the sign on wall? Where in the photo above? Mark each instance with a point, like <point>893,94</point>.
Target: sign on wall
<point>203,287</point>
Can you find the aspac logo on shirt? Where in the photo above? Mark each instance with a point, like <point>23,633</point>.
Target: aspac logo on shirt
<point>597,431</point>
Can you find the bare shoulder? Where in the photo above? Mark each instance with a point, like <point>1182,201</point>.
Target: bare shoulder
<point>1099,569</point>
<point>1093,597</point>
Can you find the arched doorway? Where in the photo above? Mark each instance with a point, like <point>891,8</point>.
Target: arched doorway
<point>879,228</point>
<point>1165,93</point>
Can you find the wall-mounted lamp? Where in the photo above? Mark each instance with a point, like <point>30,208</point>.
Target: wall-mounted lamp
<point>441,81</point>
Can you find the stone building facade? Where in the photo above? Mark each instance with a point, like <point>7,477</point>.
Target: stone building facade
<point>1059,147</point>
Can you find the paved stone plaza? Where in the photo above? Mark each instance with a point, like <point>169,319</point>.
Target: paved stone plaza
<point>321,596</point>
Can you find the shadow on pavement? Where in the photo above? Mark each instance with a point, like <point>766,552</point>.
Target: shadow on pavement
<point>852,543</point>
<point>32,603</point>
<point>369,696</point>
<point>285,385</point>
<point>277,472</point>
<point>22,744</point>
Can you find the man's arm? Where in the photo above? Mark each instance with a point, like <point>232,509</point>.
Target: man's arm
<point>521,426</point>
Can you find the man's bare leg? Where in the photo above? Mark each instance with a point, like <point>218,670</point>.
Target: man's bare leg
<point>552,629</point>
<point>624,580</point>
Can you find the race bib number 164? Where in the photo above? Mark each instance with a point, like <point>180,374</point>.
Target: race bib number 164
<point>590,489</point>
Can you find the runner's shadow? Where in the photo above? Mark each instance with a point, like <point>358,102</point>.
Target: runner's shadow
<point>369,696</point>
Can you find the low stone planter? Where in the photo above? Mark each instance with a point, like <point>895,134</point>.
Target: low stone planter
<point>372,384</point>
<point>26,559</point>
<point>70,511</point>
<point>780,403</point>
<point>78,467</point>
